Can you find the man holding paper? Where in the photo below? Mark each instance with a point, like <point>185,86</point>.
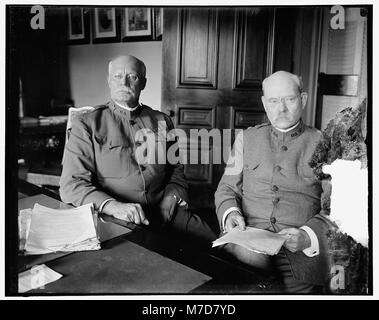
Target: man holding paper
<point>269,185</point>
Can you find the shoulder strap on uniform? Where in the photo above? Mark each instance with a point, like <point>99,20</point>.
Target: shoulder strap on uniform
<point>265,124</point>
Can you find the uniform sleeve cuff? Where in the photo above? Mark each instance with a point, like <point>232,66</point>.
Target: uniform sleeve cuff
<point>179,191</point>
<point>104,203</point>
<point>313,250</point>
<point>101,208</point>
<point>226,215</point>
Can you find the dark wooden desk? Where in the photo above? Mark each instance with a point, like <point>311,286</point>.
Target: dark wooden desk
<point>136,260</point>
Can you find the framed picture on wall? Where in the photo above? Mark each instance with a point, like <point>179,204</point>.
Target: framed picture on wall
<point>158,23</point>
<point>137,24</point>
<point>78,26</point>
<point>106,25</point>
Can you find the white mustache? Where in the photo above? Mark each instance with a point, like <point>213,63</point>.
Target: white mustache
<point>124,90</point>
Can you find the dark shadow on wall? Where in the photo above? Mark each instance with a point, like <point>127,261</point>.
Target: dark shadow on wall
<point>41,60</point>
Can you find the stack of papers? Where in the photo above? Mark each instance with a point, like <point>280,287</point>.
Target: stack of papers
<point>53,230</point>
<point>258,240</point>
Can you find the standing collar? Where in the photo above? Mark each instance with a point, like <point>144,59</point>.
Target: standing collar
<point>288,129</point>
<point>289,135</point>
<point>124,112</point>
<point>127,108</point>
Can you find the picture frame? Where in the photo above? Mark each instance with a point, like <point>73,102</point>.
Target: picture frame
<point>105,25</point>
<point>78,25</point>
<point>137,24</point>
<point>158,23</point>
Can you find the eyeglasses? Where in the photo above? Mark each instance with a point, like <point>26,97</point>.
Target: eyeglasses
<point>289,100</point>
<point>130,76</point>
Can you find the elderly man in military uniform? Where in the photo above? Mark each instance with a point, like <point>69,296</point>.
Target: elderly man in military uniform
<point>272,187</point>
<point>100,165</point>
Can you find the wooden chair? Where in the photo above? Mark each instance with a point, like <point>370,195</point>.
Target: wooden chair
<point>72,114</point>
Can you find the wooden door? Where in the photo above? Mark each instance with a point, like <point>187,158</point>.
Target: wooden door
<point>214,61</point>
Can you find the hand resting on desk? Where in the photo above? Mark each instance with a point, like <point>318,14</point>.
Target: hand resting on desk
<point>131,212</point>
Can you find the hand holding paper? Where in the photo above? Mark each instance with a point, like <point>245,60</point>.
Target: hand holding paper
<point>297,239</point>
<point>254,239</point>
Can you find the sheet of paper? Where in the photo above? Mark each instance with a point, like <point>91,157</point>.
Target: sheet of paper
<point>254,239</point>
<point>36,277</point>
<point>24,220</point>
<point>53,230</point>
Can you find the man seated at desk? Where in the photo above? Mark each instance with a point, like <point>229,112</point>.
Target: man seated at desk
<point>100,164</point>
<point>272,187</point>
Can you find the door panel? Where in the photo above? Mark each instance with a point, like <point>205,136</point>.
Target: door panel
<point>198,48</point>
<point>251,61</point>
<point>195,116</point>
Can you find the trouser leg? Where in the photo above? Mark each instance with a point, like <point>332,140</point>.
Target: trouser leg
<point>190,224</point>
<point>251,258</point>
<point>278,265</point>
<point>291,285</point>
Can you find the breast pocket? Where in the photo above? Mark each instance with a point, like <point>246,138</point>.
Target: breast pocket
<point>250,176</point>
<point>113,156</point>
<point>306,173</point>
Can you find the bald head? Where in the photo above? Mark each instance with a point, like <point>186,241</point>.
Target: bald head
<point>126,80</point>
<point>280,77</point>
<point>283,99</point>
<point>130,60</point>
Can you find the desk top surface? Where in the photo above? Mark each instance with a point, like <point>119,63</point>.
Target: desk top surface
<point>134,260</point>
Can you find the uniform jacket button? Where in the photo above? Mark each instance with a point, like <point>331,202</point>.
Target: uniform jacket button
<point>275,201</point>
<point>273,220</point>
<point>274,188</point>
<point>284,148</point>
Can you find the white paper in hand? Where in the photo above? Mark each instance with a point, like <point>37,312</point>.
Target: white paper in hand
<point>253,239</point>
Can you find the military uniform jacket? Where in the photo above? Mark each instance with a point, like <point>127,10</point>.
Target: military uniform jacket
<point>275,188</point>
<point>100,160</point>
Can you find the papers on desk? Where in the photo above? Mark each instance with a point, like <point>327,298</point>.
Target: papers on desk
<point>253,239</point>
<point>36,277</point>
<point>53,230</point>
<point>24,219</point>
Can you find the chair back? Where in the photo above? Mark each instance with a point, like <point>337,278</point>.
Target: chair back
<point>72,114</point>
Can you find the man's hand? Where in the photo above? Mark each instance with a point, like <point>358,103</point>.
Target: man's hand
<point>167,207</point>
<point>131,212</point>
<point>298,239</point>
<point>234,219</point>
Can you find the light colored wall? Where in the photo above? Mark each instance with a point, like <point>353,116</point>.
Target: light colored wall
<point>88,70</point>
